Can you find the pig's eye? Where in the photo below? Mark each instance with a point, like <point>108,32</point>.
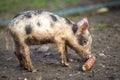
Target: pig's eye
<point>82,41</point>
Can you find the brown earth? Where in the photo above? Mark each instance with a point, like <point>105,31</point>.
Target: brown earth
<point>105,30</point>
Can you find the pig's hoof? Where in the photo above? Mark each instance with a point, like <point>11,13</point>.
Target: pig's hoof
<point>62,62</point>
<point>67,64</point>
<point>33,71</point>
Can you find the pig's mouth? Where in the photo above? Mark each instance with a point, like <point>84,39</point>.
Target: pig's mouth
<point>87,53</point>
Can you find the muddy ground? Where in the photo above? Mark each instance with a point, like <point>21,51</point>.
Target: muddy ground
<point>105,30</point>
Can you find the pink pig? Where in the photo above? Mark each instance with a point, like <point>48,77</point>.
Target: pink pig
<point>41,27</point>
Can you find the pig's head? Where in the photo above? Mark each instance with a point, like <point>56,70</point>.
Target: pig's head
<point>83,36</point>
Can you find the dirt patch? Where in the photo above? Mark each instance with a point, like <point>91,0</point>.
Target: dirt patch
<point>106,47</point>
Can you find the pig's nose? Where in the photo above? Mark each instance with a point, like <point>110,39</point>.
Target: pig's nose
<point>87,53</point>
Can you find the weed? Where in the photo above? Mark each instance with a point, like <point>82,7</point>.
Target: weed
<point>14,6</point>
<point>99,26</point>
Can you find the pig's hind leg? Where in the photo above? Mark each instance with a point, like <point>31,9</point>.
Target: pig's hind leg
<point>25,54</point>
<point>22,51</point>
<point>18,54</point>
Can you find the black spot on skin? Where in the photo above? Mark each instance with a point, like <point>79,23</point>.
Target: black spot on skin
<point>16,15</point>
<point>28,29</point>
<point>28,41</point>
<point>38,23</point>
<point>38,12</point>
<point>74,28</point>
<point>35,13</point>
<point>28,15</point>
<point>68,21</point>
<point>34,41</point>
<point>54,18</point>
<point>82,40</point>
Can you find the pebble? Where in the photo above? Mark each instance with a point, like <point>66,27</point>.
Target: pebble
<point>43,48</point>
<point>78,73</point>
<point>102,65</point>
<point>9,58</point>
<point>25,79</point>
<point>102,54</point>
<point>70,74</point>
<point>38,78</point>
<point>47,54</point>
<point>20,78</point>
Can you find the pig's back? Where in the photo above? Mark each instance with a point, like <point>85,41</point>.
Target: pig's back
<point>43,22</point>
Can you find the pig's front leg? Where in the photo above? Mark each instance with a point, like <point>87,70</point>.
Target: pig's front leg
<point>62,49</point>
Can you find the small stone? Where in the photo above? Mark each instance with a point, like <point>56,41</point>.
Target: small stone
<point>116,25</point>
<point>25,79</point>
<point>43,48</point>
<point>57,78</point>
<point>103,51</point>
<point>117,79</point>
<point>20,78</point>
<point>108,47</point>
<point>5,66</point>
<point>34,47</point>
<point>70,74</point>
<point>102,54</point>
<point>47,54</point>
<point>78,73</point>
<point>9,58</point>
<point>39,78</point>
<point>102,65</point>
<point>71,60</point>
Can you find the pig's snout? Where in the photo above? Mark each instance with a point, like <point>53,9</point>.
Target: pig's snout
<point>87,53</point>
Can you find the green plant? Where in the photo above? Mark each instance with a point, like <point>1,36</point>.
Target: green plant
<point>99,26</point>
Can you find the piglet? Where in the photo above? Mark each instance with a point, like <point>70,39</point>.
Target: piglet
<point>41,27</point>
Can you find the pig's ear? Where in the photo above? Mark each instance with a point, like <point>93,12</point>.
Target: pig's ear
<point>83,25</point>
